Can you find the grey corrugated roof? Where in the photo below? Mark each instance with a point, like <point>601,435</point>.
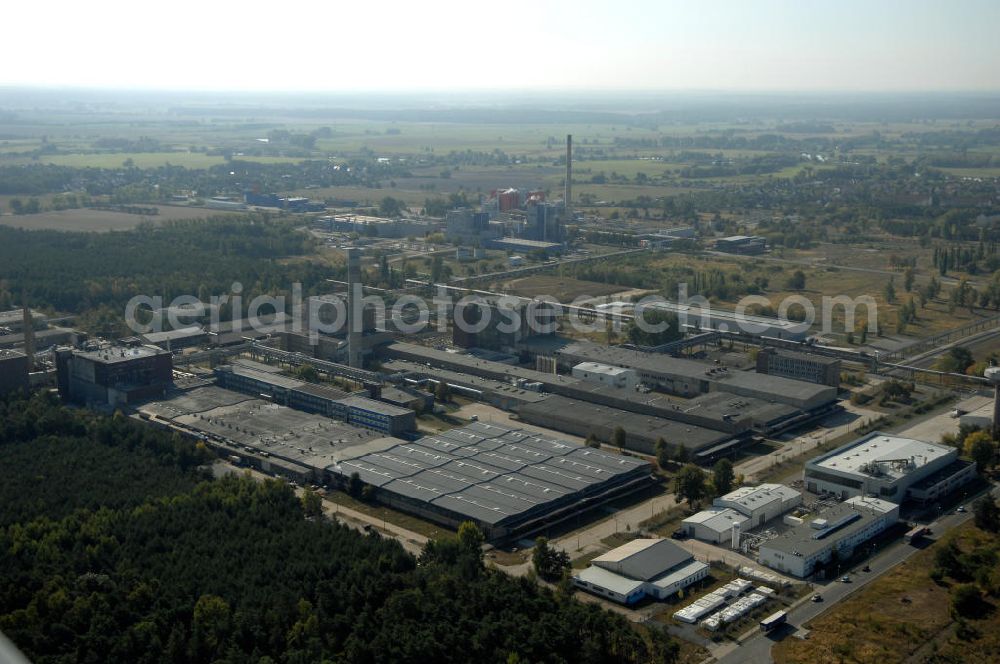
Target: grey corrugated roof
<point>529,453</point>
<point>559,476</point>
<point>460,471</point>
<point>501,459</point>
<point>616,583</point>
<point>423,454</point>
<point>643,559</point>
<point>528,485</point>
<point>547,446</point>
<point>612,462</point>
<point>368,472</point>
<point>474,469</point>
<point>170,335</point>
<point>442,444</point>
<point>428,485</point>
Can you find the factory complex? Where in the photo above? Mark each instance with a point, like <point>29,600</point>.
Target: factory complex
<point>258,433</point>
<point>656,568</point>
<point>506,480</point>
<point>741,510</point>
<point>712,413</point>
<point>889,467</point>
<point>685,377</point>
<point>310,397</point>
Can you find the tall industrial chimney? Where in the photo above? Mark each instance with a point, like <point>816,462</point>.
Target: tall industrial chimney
<point>569,177</point>
<point>355,316</point>
<point>992,374</point>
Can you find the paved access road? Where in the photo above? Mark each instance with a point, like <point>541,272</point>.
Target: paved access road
<point>832,426</point>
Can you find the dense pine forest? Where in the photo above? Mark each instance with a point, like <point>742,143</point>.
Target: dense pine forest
<point>116,547</point>
<point>78,272</point>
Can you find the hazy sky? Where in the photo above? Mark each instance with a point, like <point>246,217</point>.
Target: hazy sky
<point>881,45</point>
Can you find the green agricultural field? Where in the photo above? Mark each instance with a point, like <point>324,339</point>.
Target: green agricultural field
<point>90,220</point>
<point>140,159</point>
<point>531,140</point>
<point>991,172</point>
<point>194,160</point>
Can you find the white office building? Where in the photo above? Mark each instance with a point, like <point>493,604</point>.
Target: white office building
<point>654,567</point>
<point>843,528</point>
<point>714,525</point>
<point>890,467</point>
<point>606,374</point>
<point>760,503</point>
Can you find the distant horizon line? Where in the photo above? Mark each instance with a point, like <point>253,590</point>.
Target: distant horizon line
<point>498,92</point>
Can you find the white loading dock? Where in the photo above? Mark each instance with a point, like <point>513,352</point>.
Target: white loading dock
<point>760,503</point>
<point>714,525</point>
<point>654,567</point>
<point>606,374</point>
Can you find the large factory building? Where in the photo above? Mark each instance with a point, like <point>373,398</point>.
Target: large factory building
<point>113,376</point>
<point>890,467</point>
<point>13,371</point>
<point>690,378</point>
<point>510,482</point>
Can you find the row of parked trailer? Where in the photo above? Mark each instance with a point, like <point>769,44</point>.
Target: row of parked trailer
<point>738,609</point>
<point>714,604</point>
<point>711,601</point>
<point>762,576</point>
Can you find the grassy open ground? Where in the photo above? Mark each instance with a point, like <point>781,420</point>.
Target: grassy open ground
<point>400,519</point>
<point>824,279</point>
<point>903,616</point>
<point>992,172</point>
<point>102,220</point>
<point>564,289</point>
<point>691,653</point>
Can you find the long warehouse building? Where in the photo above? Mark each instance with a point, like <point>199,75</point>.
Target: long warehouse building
<point>730,412</point>
<point>314,398</point>
<point>641,431</point>
<point>508,481</point>
<point>689,378</point>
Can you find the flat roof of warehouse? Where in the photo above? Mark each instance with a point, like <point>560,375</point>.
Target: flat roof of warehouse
<point>490,473</point>
<point>170,335</point>
<point>844,520</point>
<point>887,454</point>
<point>558,407</point>
<point>432,355</point>
<point>462,379</point>
<point>693,369</point>
<point>715,405</point>
<point>309,440</point>
<point>717,519</point>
